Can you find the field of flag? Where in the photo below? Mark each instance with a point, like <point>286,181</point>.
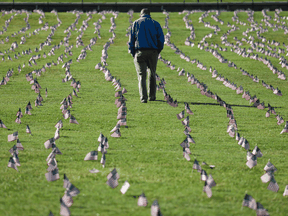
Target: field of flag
<point>133,1</point>
<point>75,138</point>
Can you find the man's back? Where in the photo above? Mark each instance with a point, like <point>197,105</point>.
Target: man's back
<point>146,33</point>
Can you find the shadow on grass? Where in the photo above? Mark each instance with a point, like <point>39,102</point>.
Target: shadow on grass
<point>68,129</point>
<point>212,104</point>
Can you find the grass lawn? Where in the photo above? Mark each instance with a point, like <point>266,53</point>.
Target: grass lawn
<point>148,154</point>
<point>153,1</point>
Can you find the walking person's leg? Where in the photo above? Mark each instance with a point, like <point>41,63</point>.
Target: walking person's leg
<point>141,68</point>
<point>152,65</point>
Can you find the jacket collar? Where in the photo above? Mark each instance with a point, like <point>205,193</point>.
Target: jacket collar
<point>146,15</point>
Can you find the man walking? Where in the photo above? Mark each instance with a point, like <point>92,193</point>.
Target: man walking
<point>145,43</point>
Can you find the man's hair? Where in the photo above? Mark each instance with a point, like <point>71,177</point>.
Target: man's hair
<point>145,11</point>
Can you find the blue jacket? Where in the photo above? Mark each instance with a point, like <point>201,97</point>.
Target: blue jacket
<point>146,33</point>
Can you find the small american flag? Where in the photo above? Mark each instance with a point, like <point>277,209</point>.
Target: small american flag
<point>196,166</point>
<point>66,182</point>
<point>286,191</point>
<point>52,161</point>
<point>256,151</point>
<point>210,181</point>
<point>207,190</point>
<point>285,130</point>
<point>27,111</point>
<point>116,133</point>
<point>52,175</point>
<point>19,113</point>
<point>67,199</point>
<point>252,162</point>
<point>105,142</point>
<point>118,94</point>
<point>93,155</point>
<point>190,139</point>
<point>186,121</point>
<point>273,186</point>
<point>261,105</point>
<point>18,120</point>
<point>249,202</point>
<point>16,159</point>
<point>103,160</point>
<point>142,200</point>
<point>51,167</point>
<point>245,144</point>
<point>19,145</point>
<point>270,167</point>
<point>103,149</point>
<point>74,93</point>
<point>203,175</point>
<point>186,155</point>
<point>67,114</point>
<point>12,164</point>
<point>261,211</point>
<point>122,109</point>
<point>56,150</point>
<point>13,150</point>
<point>125,187</point>
<point>112,182</point>
<point>12,137</point>
<point>266,177</point>
<point>101,136</point>
<point>187,127</point>
<point>122,115</point>
<point>120,103</point>
<point>28,130</point>
<point>155,209</point>
<point>48,143</point>
<point>73,191</point>
<point>186,131</point>
<point>57,134</point>
<point>64,210</point>
<point>124,90</point>
<point>237,136</point>
<point>188,110</point>
<point>114,174</point>
<point>185,143</point>
<point>2,125</point>
<point>39,97</point>
<point>180,115</point>
<point>73,120</point>
<point>115,128</point>
<point>59,124</point>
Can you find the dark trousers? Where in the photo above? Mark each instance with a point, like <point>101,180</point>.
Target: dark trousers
<point>146,59</point>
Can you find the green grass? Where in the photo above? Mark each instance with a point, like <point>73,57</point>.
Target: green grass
<point>153,1</point>
<point>148,154</point>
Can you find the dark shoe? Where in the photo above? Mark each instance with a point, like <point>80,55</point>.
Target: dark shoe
<point>144,101</point>
<point>152,99</point>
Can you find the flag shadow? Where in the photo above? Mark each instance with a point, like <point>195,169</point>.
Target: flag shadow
<point>213,104</point>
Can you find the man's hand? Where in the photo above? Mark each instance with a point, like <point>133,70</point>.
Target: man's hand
<point>131,52</point>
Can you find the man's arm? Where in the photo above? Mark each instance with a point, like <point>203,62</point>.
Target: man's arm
<point>131,43</point>
<point>160,38</point>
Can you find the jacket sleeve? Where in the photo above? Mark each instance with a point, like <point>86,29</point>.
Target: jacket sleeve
<point>160,38</point>
<point>131,43</point>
